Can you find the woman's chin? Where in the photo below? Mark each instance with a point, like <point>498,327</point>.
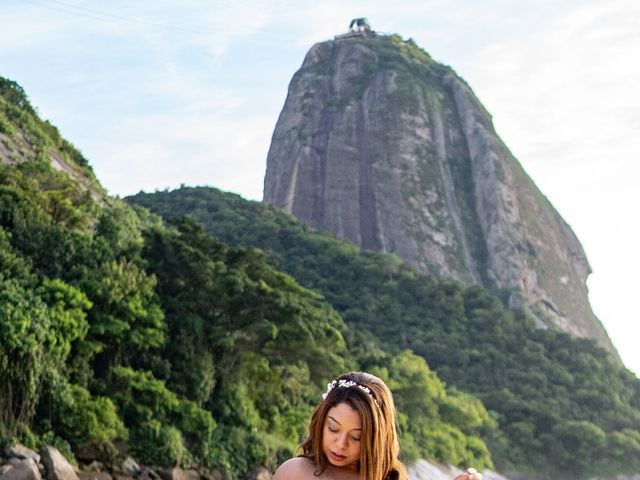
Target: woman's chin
<point>343,464</point>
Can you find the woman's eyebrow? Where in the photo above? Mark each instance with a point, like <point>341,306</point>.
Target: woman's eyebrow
<point>331,418</point>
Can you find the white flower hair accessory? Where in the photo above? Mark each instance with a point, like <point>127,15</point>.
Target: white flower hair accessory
<point>342,383</point>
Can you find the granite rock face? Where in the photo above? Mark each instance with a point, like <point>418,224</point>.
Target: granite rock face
<point>392,151</point>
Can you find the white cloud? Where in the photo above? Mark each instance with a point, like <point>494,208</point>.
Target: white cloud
<point>195,149</point>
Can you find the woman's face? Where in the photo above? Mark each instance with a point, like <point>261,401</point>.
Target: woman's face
<point>341,436</point>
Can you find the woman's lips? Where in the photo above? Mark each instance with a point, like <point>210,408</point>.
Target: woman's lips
<point>336,457</point>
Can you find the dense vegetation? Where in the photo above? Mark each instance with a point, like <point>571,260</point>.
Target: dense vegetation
<point>120,333</point>
<point>33,136</point>
<point>561,406</point>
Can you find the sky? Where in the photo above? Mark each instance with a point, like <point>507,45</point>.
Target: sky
<point>159,93</point>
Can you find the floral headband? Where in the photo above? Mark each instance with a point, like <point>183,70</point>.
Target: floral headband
<point>347,384</point>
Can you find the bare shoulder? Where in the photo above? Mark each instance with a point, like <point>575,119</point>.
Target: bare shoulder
<point>298,468</point>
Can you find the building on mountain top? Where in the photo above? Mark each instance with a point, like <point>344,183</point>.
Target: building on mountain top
<point>359,25</point>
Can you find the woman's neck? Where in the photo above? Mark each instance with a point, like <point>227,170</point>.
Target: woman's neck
<point>340,473</point>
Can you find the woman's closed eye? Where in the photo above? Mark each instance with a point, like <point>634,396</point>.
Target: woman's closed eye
<point>334,429</point>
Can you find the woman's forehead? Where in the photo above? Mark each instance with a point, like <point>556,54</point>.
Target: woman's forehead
<point>345,415</point>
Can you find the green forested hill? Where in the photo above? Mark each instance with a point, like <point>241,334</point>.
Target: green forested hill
<point>562,408</point>
<point>123,334</point>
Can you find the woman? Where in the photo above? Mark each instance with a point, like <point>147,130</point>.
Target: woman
<point>352,435</point>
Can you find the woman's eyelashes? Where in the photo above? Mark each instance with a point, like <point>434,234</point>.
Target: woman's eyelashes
<point>333,429</point>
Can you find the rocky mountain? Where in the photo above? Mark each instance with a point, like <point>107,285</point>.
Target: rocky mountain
<point>388,149</point>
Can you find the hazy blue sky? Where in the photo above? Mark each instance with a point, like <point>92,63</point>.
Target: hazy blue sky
<point>163,92</point>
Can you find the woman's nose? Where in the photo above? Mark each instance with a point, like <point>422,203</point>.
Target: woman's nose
<point>342,441</point>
